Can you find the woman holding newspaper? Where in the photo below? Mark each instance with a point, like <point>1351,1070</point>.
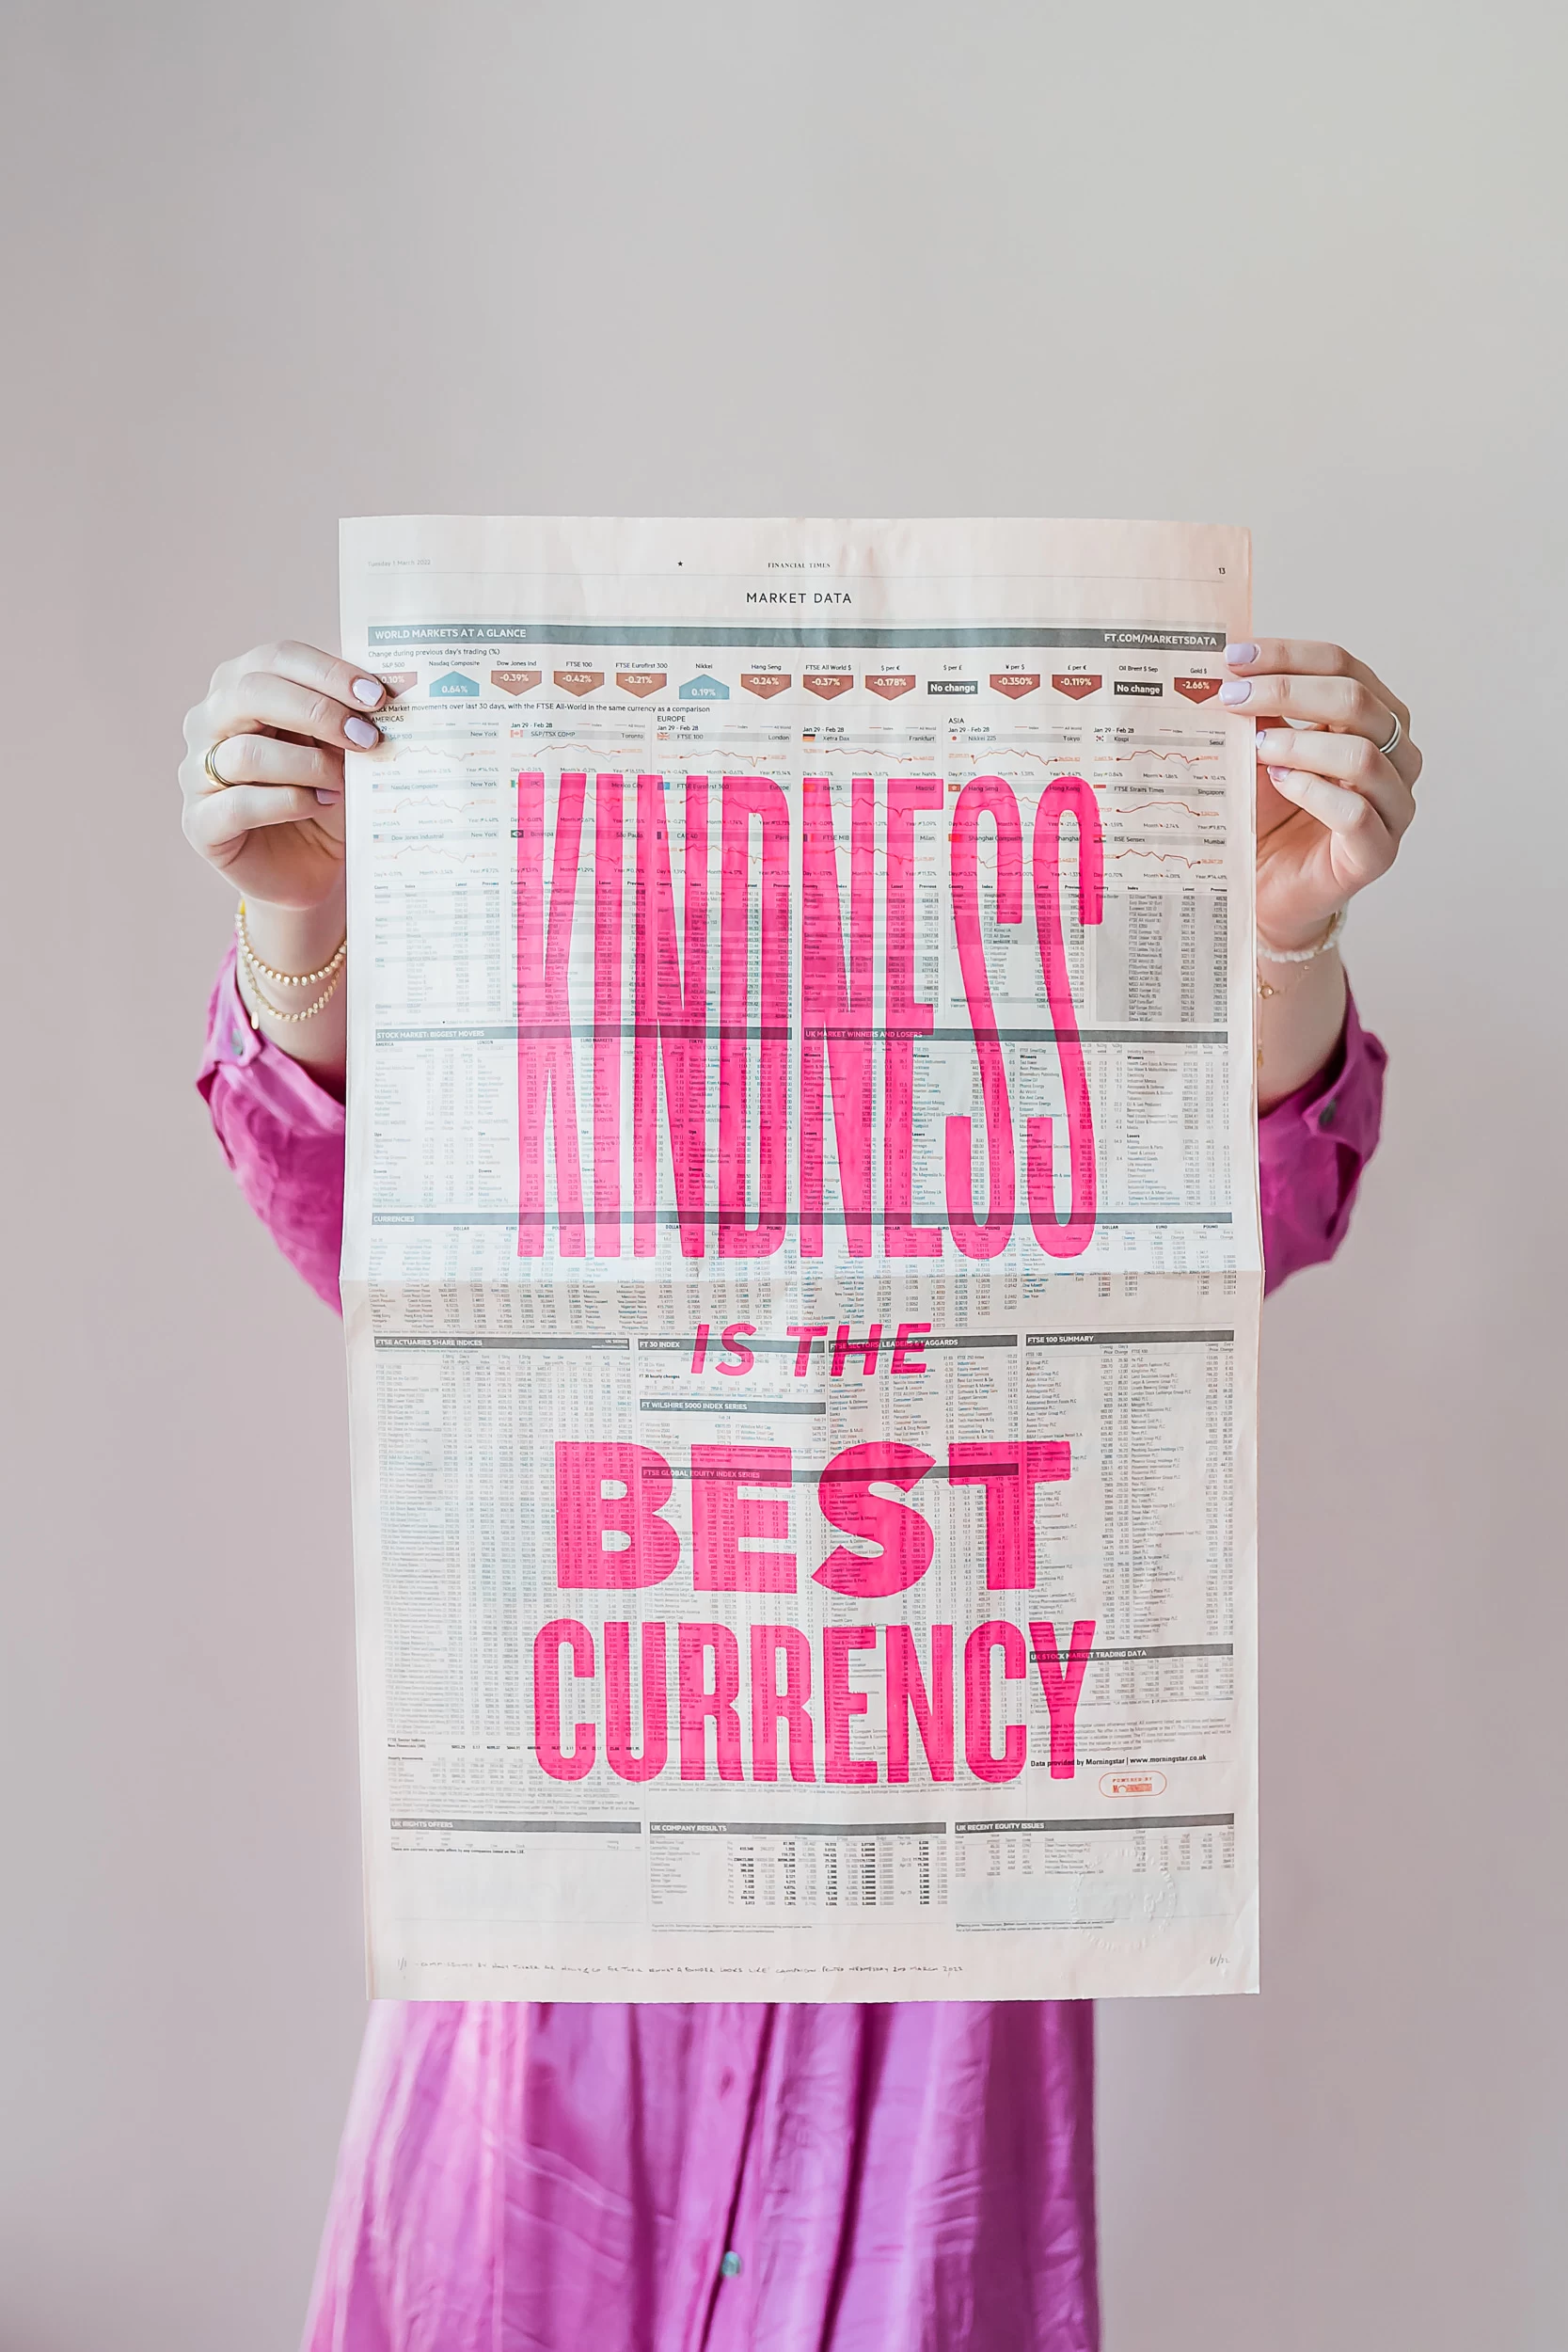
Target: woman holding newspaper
<point>674,2176</point>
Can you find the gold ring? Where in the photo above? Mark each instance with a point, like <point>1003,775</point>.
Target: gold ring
<point>222,781</point>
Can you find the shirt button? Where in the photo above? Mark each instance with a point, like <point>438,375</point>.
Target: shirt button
<point>730,2266</point>
<point>1325,1117</point>
<point>236,1041</point>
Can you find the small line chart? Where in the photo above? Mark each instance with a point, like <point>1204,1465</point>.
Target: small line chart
<point>622,752</point>
<point>815,756</point>
<point>1165,857</point>
<point>425,848</point>
<point>1145,750</point>
<point>988,757</point>
<point>402,754</point>
<point>437,807</point>
<point>1140,809</point>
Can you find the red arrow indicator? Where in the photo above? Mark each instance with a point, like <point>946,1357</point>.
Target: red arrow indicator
<point>890,688</point>
<point>1077,683</point>
<point>1016,682</point>
<point>641,682</point>
<point>764,682</point>
<point>578,681</point>
<point>829,683</point>
<point>514,681</point>
<point>398,681</point>
<point>1197,690</point>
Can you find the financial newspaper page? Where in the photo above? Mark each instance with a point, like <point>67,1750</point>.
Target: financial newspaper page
<point>802,1262</point>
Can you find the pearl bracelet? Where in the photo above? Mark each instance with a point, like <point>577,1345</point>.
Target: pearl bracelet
<point>276,1012</point>
<point>1306,955</point>
<point>282,980</point>
<point>332,973</point>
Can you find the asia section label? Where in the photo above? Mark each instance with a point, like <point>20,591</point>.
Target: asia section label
<point>801,1260</point>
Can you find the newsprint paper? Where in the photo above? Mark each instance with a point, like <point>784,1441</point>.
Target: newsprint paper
<point>802,1260</point>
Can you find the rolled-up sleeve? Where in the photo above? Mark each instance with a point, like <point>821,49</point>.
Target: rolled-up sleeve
<point>1311,1150</point>
<point>282,1134</point>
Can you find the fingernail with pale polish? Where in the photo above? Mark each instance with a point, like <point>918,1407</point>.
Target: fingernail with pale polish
<point>1282,775</point>
<point>1241,657</point>
<point>361,732</point>
<point>367,689</point>
<point>329,799</point>
<point>1234,691</point>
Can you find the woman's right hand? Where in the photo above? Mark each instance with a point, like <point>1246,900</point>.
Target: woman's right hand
<point>272,727</point>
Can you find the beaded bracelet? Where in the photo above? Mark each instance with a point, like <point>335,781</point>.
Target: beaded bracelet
<point>332,971</point>
<point>1306,955</point>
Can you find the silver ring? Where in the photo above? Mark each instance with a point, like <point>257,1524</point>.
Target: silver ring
<point>1392,744</point>
<point>222,781</point>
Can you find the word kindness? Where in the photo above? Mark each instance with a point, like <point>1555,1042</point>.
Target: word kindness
<point>856,1002</point>
<point>612,1536</point>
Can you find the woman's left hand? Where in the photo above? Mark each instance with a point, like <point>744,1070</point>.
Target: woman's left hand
<point>1333,802</point>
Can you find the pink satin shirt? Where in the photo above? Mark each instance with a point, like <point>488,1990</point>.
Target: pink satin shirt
<point>664,2178</point>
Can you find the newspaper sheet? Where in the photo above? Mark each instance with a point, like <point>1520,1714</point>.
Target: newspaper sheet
<point>802,1262</point>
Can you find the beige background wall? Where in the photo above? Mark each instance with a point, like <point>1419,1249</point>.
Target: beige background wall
<point>1301,268</point>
